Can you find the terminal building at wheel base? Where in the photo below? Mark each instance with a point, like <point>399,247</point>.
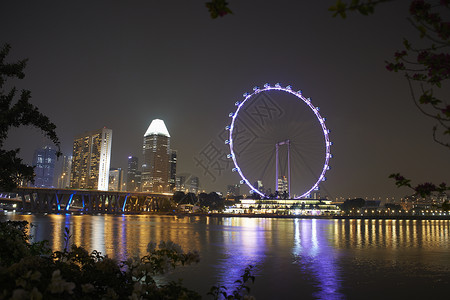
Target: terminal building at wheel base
<point>303,206</point>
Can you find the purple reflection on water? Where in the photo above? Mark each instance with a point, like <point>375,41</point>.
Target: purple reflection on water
<point>244,244</point>
<point>315,256</point>
<point>123,245</point>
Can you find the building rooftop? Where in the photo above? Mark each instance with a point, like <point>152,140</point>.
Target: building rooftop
<point>157,127</point>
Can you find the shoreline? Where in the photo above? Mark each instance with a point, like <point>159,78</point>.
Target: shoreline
<point>324,217</point>
<point>328,217</point>
<point>225,215</point>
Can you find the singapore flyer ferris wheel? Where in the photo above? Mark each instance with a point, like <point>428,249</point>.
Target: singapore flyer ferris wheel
<point>279,143</point>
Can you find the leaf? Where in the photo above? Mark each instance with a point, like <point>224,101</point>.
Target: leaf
<point>339,9</point>
<point>422,31</point>
<point>218,8</point>
<point>407,44</point>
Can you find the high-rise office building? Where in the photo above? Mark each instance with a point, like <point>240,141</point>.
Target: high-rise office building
<point>283,184</point>
<point>187,183</point>
<point>173,170</point>
<point>138,181</point>
<point>91,160</point>
<point>194,184</point>
<point>132,169</point>
<point>64,176</point>
<point>259,186</point>
<point>180,183</point>
<point>234,190</point>
<point>156,155</point>
<point>44,160</point>
<point>115,179</point>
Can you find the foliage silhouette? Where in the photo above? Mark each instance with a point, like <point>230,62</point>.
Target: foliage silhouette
<point>426,70</point>
<point>15,114</point>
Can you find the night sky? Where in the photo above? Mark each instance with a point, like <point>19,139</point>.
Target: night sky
<point>121,64</point>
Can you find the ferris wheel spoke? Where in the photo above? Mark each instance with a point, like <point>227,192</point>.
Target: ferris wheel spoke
<point>305,162</point>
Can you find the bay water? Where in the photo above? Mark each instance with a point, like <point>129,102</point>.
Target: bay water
<point>292,258</point>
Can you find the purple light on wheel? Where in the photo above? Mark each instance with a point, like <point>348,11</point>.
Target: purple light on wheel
<point>315,110</point>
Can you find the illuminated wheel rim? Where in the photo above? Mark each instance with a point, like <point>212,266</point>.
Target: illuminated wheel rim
<point>325,132</point>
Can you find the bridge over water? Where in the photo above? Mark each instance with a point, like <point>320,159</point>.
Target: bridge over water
<point>88,201</point>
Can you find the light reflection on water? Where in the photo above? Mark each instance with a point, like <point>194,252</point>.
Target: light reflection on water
<point>391,234</point>
<point>317,259</point>
<point>313,253</point>
<point>244,241</point>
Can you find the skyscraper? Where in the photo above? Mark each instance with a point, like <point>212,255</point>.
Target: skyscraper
<point>187,183</point>
<point>259,186</point>
<point>180,183</point>
<point>173,170</point>
<point>234,190</point>
<point>194,184</point>
<point>91,160</point>
<point>44,160</point>
<point>283,184</point>
<point>132,170</point>
<point>115,179</point>
<point>64,177</point>
<point>138,181</point>
<point>156,155</point>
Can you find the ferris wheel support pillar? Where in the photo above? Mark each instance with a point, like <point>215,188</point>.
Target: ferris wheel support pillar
<point>277,146</point>
<point>289,167</point>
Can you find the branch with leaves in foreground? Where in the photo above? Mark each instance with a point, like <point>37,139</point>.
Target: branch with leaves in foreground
<point>16,113</point>
<point>219,291</point>
<point>363,7</point>
<point>429,66</point>
<point>426,68</point>
<point>423,189</point>
<point>218,8</point>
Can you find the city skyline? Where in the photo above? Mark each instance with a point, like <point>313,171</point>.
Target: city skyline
<point>124,65</point>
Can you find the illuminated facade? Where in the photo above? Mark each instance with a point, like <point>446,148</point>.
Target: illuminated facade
<point>115,179</point>
<point>234,190</point>
<point>187,183</point>
<point>259,186</point>
<point>180,183</point>
<point>132,171</point>
<point>283,185</point>
<point>91,160</point>
<point>156,156</point>
<point>64,177</point>
<point>173,170</point>
<point>304,206</point>
<point>44,160</point>
<point>194,184</point>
